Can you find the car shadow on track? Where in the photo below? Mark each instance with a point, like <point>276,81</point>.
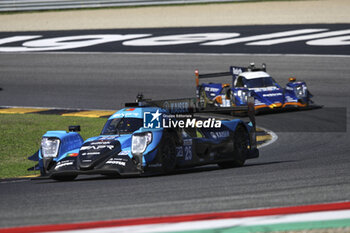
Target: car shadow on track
<point>184,171</point>
<point>269,163</point>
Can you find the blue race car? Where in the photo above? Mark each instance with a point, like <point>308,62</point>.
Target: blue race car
<point>147,138</point>
<point>255,82</point>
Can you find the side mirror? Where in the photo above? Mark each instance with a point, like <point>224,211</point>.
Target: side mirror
<point>74,128</point>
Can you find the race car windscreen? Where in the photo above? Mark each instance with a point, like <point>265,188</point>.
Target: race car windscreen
<point>260,82</point>
<point>122,126</point>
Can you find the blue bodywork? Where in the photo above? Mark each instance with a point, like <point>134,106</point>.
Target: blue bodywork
<point>112,153</point>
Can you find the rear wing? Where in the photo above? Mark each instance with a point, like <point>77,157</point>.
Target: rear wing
<point>191,106</point>
<point>234,72</point>
<point>173,106</point>
<point>210,75</point>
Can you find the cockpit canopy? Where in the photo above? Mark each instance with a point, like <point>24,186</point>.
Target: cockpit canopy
<point>122,126</point>
<point>255,80</point>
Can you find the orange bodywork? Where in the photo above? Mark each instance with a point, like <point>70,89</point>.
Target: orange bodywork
<point>218,99</point>
<point>279,105</point>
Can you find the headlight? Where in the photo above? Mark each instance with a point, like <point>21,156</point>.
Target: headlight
<point>49,147</point>
<point>300,91</point>
<point>243,95</point>
<point>139,142</point>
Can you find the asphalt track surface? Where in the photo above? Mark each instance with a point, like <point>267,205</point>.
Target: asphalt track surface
<point>308,164</point>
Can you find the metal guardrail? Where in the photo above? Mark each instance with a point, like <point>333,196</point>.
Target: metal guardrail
<point>34,5</point>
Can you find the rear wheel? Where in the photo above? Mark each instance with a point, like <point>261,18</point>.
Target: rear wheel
<point>240,148</point>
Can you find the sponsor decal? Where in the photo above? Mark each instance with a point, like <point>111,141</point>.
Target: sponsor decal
<point>272,94</point>
<point>116,161</point>
<point>62,43</point>
<point>179,39</point>
<point>211,89</point>
<point>179,152</point>
<point>126,114</point>
<point>177,107</point>
<point>188,153</point>
<point>260,89</point>
<point>93,153</point>
<point>101,143</point>
<point>124,152</point>
<point>130,109</point>
<point>311,37</point>
<point>188,142</point>
<point>236,71</point>
<point>290,99</point>
<point>187,148</point>
<point>64,164</point>
<point>104,138</point>
<point>97,147</point>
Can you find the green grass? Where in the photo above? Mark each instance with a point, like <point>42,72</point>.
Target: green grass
<point>20,136</point>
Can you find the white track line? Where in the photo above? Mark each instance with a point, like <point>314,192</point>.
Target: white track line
<point>273,139</point>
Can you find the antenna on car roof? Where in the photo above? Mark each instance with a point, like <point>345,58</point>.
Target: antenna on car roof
<point>139,98</point>
<point>251,66</point>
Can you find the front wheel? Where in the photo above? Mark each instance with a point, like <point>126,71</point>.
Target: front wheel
<point>240,148</point>
<point>167,154</point>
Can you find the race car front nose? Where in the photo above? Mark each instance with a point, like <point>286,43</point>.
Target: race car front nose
<point>96,153</point>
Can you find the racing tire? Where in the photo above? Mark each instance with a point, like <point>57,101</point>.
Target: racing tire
<point>240,148</point>
<point>64,178</point>
<point>167,154</point>
<point>42,172</point>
